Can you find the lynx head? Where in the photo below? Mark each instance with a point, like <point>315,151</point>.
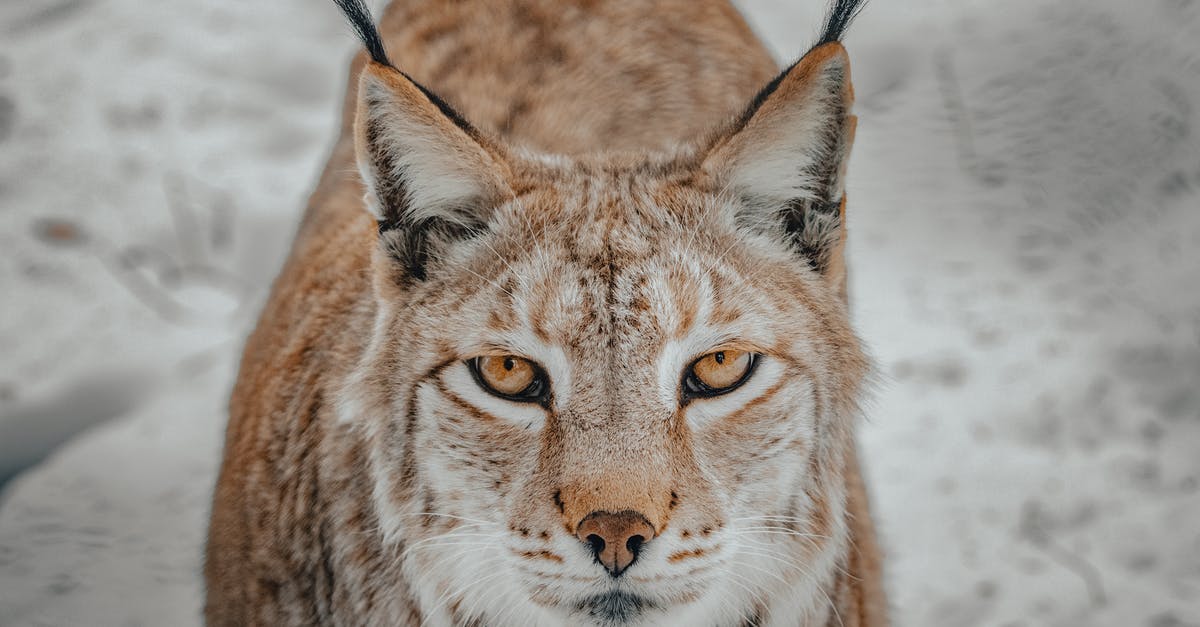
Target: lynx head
<point>600,389</point>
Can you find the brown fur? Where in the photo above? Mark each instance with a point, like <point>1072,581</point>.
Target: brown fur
<point>643,99</point>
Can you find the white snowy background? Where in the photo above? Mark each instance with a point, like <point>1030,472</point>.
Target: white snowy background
<point>1025,215</point>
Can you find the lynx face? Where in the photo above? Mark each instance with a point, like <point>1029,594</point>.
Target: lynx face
<point>614,390</point>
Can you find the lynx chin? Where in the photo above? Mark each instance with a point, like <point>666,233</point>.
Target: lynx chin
<point>563,337</point>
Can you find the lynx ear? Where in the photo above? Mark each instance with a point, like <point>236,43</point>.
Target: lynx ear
<point>430,177</point>
<point>786,157</point>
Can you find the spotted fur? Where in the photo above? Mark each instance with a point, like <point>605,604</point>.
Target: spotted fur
<point>610,190</point>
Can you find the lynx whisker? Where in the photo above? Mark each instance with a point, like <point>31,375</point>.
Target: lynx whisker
<point>454,517</point>
<point>743,583</point>
<point>449,541</point>
<point>780,531</point>
<point>457,593</point>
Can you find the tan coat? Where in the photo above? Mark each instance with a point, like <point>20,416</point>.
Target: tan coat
<point>626,198</point>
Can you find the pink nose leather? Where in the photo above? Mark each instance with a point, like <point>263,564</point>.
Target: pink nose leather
<point>615,538</point>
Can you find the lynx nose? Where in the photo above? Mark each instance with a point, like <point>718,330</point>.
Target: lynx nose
<point>615,538</point>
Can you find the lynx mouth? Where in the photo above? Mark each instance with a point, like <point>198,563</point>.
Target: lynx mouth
<point>615,608</point>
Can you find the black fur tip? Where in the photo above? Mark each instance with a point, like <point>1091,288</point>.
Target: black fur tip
<point>360,18</point>
<point>841,13</point>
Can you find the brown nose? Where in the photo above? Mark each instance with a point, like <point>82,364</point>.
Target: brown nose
<point>615,538</point>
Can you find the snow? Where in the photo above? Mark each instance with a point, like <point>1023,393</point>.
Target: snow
<point>1025,215</point>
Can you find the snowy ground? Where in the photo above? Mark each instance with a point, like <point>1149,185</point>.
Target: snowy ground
<point>1026,223</point>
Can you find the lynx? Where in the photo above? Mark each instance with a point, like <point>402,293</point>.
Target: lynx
<point>563,338</point>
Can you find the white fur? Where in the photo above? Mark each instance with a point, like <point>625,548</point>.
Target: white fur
<point>789,141</point>
<point>444,174</point>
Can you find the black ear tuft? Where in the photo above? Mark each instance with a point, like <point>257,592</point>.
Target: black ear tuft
<point>841,13</point>
<point>360,18</point>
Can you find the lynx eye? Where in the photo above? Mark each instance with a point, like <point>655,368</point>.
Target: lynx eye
<point>511,377</point>
<point>718,373</point>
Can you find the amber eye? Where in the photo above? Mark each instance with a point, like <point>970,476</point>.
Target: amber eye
<point>718,373</point>
<point>511,377</point>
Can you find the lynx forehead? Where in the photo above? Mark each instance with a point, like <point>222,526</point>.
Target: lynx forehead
<point>572,347</point>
